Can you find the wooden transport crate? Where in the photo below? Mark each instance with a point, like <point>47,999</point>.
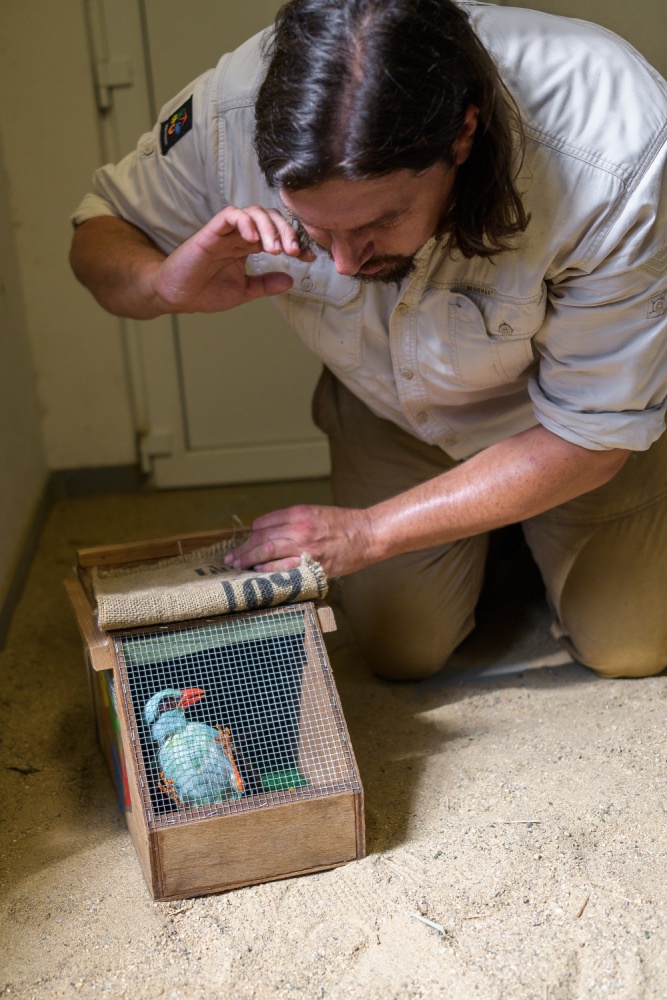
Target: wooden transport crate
<point>260,682</point>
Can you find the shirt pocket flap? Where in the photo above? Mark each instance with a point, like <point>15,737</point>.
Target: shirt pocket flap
<point>507,318</point>
<point>312,280</point>
<point>492,340</point>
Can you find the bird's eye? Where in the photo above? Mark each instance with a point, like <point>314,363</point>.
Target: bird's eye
<point>167,704</point>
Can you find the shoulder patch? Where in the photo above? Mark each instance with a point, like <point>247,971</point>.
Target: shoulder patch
<point>176,126</point>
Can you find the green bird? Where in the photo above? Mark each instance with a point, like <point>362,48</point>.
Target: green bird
<point>196,761</point>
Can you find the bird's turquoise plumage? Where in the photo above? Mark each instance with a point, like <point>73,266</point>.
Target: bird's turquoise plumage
<point>190,754</point>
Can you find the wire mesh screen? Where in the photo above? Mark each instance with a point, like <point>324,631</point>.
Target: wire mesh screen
<point>233,714</point>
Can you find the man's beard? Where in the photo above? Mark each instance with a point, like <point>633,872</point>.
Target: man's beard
<point>394,267</point>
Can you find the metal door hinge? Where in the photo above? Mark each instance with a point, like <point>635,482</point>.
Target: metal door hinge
<point>110,69</point>
<point>154,444</point>
<point>110,74</point>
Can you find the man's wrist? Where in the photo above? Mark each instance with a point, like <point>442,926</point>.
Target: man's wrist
<point>146,282</point>
<point>377,536</point>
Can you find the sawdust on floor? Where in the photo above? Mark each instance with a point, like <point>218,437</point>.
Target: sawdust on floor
<point>516,813</point>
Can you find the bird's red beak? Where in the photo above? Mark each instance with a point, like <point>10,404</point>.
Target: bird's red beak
<point>190,696</point>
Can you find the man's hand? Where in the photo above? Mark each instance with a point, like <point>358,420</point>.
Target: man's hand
<point>207,272</point>
<point>338,538</point>
<point>129,276</point>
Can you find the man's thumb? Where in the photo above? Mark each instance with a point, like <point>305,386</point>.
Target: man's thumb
<point>273,283</point>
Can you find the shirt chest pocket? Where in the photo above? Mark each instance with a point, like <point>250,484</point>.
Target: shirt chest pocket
<point>492,340</point>
<point>323,308</point>
<point>332,330</point>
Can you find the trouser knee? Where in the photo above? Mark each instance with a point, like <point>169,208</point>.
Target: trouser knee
<point>627,660</point>
<point>625,651</point>
<point>404,631</point>
<point>604,573</point>
<point>404,653</point>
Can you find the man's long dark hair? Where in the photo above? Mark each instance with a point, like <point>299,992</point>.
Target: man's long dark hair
<point>356,89</point>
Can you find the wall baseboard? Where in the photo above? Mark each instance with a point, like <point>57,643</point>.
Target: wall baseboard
<point>23,561</point>
<point>67,484</point>
<point>62,484</point>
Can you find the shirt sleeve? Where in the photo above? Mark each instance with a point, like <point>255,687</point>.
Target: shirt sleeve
<point>602,350</point>
<point>167,186</point>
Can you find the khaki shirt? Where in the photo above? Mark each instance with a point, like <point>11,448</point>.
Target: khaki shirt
<point>569,329</point>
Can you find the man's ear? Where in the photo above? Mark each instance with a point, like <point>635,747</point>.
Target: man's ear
<point>463,142</point>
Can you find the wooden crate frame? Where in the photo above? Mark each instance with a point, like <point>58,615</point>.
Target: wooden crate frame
<point>229,847</point>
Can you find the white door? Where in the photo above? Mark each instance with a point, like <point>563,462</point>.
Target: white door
<point>222,398</point>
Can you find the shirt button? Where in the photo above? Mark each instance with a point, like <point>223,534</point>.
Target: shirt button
<point>148,147</point>
<point>422,417</point>
<point>505,329</point>
<point>306,284</point>
<point>659,306</point>
<point>402,308</point>
<point>406,373</point>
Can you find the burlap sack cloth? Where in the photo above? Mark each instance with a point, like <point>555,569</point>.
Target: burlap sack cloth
<point>196,585</point>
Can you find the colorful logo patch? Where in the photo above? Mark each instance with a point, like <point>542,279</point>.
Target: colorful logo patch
<point>176,126</point>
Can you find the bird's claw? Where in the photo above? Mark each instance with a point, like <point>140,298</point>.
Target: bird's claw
<point>225,741</point>
<point>166,785</point>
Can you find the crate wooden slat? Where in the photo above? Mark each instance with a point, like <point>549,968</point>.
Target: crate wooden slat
<point>271,831</point>
<point>257,846</point>
<point>124,553</point>
<point>96,642</point>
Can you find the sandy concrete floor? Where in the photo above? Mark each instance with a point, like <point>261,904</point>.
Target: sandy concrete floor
<point>519,804</point>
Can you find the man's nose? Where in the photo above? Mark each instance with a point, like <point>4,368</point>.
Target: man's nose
<point>350,254</point>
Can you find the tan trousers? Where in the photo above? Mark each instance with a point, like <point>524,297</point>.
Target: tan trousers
<point>603,556</point>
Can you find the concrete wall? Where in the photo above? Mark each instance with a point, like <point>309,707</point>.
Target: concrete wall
<point>51,149</point>
<point>63,387</point>
<point>23,470</point>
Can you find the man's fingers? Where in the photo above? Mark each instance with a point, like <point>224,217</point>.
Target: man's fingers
<point>270,228</point>
<point>274,518</point>
<point>286,236</point>
<point>273,283</point>
<point>238,229</point>
<point>252,230</point>
<point>278,566</point>
<point>263,548</point>
<point>274,232</point>
<point>252,552</point>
